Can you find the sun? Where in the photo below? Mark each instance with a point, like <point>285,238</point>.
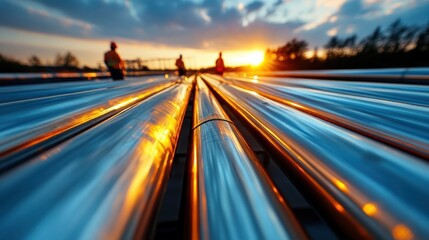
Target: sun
<point>251,57</point>
<point>255,58</point>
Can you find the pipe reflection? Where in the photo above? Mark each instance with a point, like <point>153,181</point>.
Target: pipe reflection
<point>77,114</point>
<point>402,232</point>
<point>110,188</point>
<point>231,197</point>
<point>364,187</point>
<point>401,125</point>
<point>370,209</point>
<point>341,185</point>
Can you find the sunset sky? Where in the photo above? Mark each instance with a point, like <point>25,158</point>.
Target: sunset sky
<point>198,29</point>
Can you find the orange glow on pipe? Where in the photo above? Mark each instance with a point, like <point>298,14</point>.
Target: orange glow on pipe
<point>340,185</point>
<point>152,160</point>
<point>338,207</point>
<point>194,194</point>
<point>402,232</point>
<point>370,209</point>
<point>67,124</point>
<point>90,75</point>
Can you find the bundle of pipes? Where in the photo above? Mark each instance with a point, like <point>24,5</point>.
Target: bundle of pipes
<point>30,126</point>
<point>11,79</point>
<point>97,161</point>
<point>366,189</point>
<point>105,183</point>
<point>400,124</point>
<point>392,75</point>
<point>403,93</point>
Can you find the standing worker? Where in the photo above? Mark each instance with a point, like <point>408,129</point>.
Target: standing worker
<point>220,66</point>
<point>180,66</point>
<point>114,63</point>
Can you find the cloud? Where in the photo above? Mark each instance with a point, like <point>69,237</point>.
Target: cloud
<point>180,23</point>
<point>361,18</point>
<point>279,3</point>
<point>272,10</point>
<point>16,16</point>
<point>353,7</point>
<point>254,6</point>
<point>204,24</point>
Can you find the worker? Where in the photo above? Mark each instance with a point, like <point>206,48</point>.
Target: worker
<point>220,66</point>
<point>180,66</point>
<point>114,63</point>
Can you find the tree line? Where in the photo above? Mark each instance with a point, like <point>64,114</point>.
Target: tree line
<point>398,45</point>
<point>62,62</point>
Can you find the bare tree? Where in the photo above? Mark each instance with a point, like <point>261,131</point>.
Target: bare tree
<point>399,37</point>
<point>349,45</point>
<point>332,47</point>
<point>68,60</point>
<point>293,49</point>
<point>422,42</point>
<point>34,61</point>
<point>374,42</point>
<point>59,60</point>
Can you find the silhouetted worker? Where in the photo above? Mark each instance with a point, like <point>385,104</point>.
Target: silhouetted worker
<point>114,63</point>
<point>180,66</point>
<point>220,66</point>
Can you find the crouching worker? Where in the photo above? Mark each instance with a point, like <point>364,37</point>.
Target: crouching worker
<point>114,63</point>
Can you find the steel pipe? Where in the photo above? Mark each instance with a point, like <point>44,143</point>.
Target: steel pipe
<point>34,91</point>
<point>395,75</point>
<point>365,189</point>
<point>7,79</point>
<point>231,197</point>
<point>106,183</point>
<point>409,94</point>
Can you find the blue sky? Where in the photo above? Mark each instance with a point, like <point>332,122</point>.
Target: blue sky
<point>196,28</point>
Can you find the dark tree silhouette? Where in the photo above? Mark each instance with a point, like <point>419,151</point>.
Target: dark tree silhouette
<point>68,60</point>
<point>349,45</point>
<point>422,42</point>
<point>315,57</point>
<point>409,37</point>
<point>373,42</point>
<point>293,49</point>
<point>34,61</point>
<point>396,33</point>
<point>332,47</point>
<point>59,60</point>
<point>398,45</point>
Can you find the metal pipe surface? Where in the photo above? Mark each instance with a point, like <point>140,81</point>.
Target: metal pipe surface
<point>395,75</point>
<point>34,91</point>
<point>409,94</point>
<point>401,125</point>
<point>8,79</point>
<point>103,184</point>
<point>27,127</point>
<point>231,197</point>
<point>366,189</point>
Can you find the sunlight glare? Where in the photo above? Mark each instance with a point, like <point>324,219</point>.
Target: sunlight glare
<point>256,58</point>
